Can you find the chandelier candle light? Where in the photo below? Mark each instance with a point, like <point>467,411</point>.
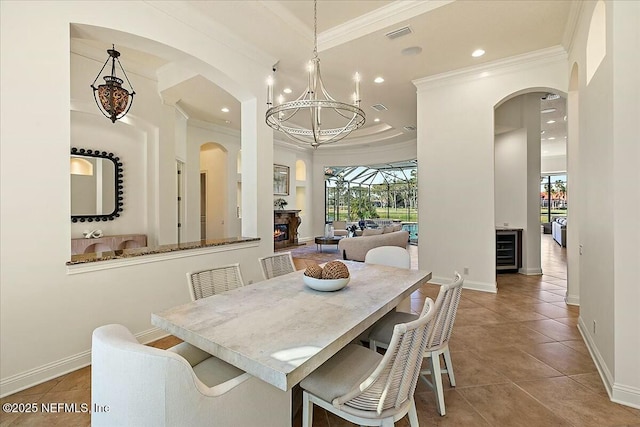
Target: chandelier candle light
<point>112,99</point>
<point>343,118</point>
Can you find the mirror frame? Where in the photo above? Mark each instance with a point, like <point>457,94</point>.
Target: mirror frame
<point>119,174</point>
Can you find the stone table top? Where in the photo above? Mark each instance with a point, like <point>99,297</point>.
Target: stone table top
<point>279,330</point>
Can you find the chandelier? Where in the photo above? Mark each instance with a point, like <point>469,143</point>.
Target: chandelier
<point>112,99</point>
<point>315,103</point>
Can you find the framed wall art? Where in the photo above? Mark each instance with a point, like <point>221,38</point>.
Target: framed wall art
<point>280,180</point>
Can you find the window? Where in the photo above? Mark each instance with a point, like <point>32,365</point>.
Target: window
<point>553,197</point>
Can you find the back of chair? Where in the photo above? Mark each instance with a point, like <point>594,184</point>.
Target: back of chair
<point>393,256</point>
<point>277,265</point>
<point>447,307</point>
<point>212,281</point>
<point>393,382</point>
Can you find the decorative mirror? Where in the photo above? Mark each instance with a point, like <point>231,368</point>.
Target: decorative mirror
<point>96,185</point>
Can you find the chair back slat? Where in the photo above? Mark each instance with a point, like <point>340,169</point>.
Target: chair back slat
<point>277,265</point>
<point>205,283</point>
<point>394,381</point>
<point>446,309</point>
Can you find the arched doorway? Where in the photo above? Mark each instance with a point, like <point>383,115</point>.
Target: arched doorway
<point>213,191</point>
<point>530,169</point>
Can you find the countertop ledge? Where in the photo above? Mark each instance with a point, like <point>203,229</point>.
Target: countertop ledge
<point>163,249</point>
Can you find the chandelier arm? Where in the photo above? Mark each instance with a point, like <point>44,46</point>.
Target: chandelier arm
<point>99,105</point>
<point>133,91</point>
<point>100,72</point>
<point>315,99</point>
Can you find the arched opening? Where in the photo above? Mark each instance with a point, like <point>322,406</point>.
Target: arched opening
<point>213,191</point>
<point>596,39</point>
<point>530,182</point>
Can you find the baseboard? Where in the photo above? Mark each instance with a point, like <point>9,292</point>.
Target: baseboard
<point>572,299</point>
<point>626,395</point>
<point>305,239</point>
<point>604,372</point>
<point>530,271</point>
<point>468,284</point>
<point>49,371</point>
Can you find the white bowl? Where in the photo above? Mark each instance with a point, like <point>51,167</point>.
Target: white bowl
<point>325,284</point>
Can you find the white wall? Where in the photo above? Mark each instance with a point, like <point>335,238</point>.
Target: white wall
<point>609,193</point>
<point>456,157</point>
<point>95,132</point>
<point>553,164</point>
<point>46,314</point>
<point>511,179</point>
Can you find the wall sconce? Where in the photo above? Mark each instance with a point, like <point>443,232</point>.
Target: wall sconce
<point>112,99</point>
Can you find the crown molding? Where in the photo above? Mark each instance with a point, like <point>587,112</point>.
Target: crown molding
<point>189,16</point>
<point>346,150</point>
<point>494,68</point>
<point>214,128</point>
<point>378,19</point>
<point>288,18</point>
<point>99,56</point>
<point>571,26</point>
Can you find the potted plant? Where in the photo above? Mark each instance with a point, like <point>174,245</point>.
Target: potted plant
<point>280,203</point>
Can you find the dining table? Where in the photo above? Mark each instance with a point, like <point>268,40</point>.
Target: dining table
<point>280,330</point>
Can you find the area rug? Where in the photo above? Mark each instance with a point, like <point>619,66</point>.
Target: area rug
<point>302,255</point>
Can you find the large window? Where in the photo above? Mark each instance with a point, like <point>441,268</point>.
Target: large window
<point>553,197</point>
<point>378,191</point>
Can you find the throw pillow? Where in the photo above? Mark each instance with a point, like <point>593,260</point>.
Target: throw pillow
<point>371,231</point>
<point>387,229</point>
<point>397,227</point>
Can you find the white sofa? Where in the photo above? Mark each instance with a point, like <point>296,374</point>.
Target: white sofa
<point>356,248</point>
<point>559,230</point>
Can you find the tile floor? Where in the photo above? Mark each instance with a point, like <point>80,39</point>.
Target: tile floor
<point>518,356</point>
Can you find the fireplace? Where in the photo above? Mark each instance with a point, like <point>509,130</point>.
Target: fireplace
<point>285,228</point>
<point>280,232</point>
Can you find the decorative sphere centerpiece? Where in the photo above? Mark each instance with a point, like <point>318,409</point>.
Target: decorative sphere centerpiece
<point>333,277</point>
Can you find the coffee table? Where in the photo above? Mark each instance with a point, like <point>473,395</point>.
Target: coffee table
<point>321,240</point>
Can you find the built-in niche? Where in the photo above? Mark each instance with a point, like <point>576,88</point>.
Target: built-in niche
<point>96,185</point>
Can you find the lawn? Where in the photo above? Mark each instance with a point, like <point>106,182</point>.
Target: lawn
<point>401,214</point>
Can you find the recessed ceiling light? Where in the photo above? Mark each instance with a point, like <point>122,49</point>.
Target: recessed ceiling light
<point>376,120</point>
<point>413,50</point>
<point>541,132</point>
<point>378,80</point>
<point>225,110</point>
<point>227,121</point>
<point>565,118</point>
<point>287,90</point>
<point>550,121</point>
<point>477,53</point>
<point>548,110</point>
<point>552,137</point>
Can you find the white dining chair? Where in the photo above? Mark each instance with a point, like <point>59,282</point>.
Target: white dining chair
<point>393,256</point>
<point>446,307</point>
<point>182,386</point>
<point>276,265</point>
<point>367,388</point>
<point>212,281</point>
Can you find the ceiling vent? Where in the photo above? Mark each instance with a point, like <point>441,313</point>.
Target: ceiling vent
<point>409,128</point>
<point>391,35</point>
<point>379,107</point>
